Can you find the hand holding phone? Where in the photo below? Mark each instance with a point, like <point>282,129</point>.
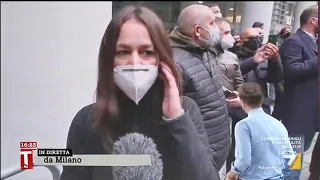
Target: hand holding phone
<point>260,55</point>
<point>271,51</point>
<point>229,94</point>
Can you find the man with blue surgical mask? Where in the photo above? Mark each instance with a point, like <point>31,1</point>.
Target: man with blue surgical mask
<point>195,44</point>
<point>231,75</point>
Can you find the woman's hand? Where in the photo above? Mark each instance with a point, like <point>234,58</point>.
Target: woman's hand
<point>171,106</point>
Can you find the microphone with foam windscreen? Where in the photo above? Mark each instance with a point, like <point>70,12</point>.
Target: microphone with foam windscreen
<point>137,144</point>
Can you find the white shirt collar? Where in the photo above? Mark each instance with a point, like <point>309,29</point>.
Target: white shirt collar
<point>314,38</point>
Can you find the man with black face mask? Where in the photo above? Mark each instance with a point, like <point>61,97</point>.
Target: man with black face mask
<point>258,63</point>
<point>299,55</point>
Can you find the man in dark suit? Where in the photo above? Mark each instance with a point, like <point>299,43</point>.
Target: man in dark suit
<point>299,55</point>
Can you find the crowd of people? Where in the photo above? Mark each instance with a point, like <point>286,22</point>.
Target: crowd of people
<point>205,96</point>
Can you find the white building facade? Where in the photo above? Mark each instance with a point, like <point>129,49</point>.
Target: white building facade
<point>49,53</point>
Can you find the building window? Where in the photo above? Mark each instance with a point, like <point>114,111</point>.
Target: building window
<point>168,12</point>
<point>232,10</point>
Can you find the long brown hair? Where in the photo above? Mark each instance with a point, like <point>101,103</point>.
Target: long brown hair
<point>107,98</point>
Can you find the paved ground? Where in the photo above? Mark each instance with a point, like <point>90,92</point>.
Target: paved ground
<point>305,167</point>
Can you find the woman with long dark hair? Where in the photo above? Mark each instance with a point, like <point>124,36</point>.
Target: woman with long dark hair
<point>138,90</point>
<point>283,35</point>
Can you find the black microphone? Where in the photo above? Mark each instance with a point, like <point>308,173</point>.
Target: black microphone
<point>137,144</point>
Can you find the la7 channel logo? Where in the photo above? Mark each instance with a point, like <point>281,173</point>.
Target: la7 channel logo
<point>293,161</point>
<point>294,158</point>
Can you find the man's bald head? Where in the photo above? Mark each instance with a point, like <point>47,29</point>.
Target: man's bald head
<point>249,32</point>
<point>192,15</point>
<point>250,39</point>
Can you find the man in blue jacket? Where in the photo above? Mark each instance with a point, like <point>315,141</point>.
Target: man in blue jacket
<point>261,140</point>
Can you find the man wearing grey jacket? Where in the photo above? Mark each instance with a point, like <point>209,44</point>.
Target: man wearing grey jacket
<point>231,75</point>
<point>227,61</point>
<point>191,41</point>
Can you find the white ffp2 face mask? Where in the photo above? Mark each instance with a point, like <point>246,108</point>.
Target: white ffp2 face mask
<point>227,42</point>
<point>135,80</point>
<point>214,36</point>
